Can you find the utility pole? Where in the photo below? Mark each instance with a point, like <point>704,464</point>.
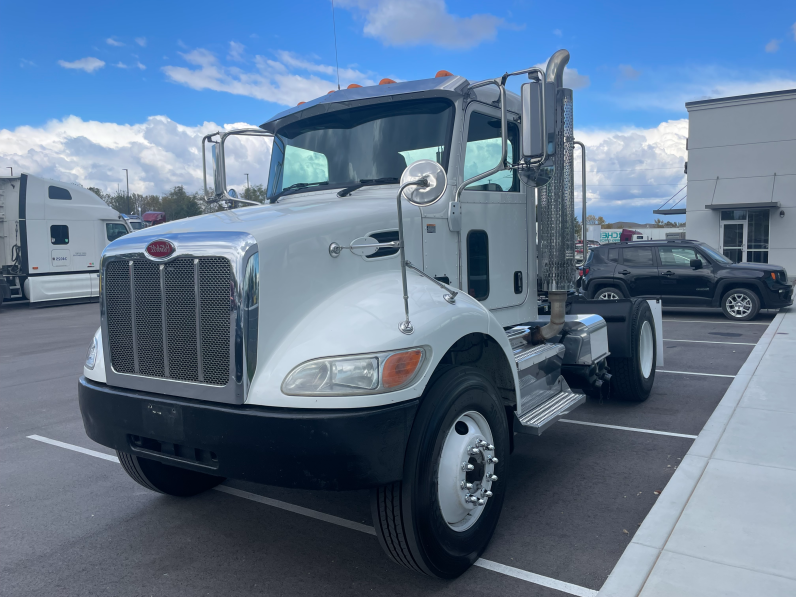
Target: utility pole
<point>127,178</point>
<point>247,181</point>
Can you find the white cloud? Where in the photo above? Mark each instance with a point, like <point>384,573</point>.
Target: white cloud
<point>628,72</point>
<point>141,41</point>
<point>88,64</point>
<point>121,65</point>
<point>159,153</point>
<point>670,89</point>
<point>632,168</point>
<point>112,42</point>
<point>416,22</point>
<point>24,63</point>
<point>140,66</point>
<point>235,51</point>
<point>271,80</point>
<point>773,46</point>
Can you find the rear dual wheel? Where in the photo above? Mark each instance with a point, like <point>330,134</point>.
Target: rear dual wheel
<point>439,519</point>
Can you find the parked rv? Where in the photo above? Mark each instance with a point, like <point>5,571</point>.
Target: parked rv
<point>52,235</point>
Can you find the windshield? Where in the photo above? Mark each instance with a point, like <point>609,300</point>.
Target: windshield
<point>136,225</point>
<point>346,147</point>
<point>714,254</point>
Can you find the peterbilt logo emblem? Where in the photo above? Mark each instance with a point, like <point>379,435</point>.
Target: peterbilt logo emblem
<point>159,249</point>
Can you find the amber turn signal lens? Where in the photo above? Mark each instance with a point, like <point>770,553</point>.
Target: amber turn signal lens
<point>400,367</point>
<point>774,276</point>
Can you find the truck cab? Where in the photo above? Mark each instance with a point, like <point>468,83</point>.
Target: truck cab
<point>375,325</point>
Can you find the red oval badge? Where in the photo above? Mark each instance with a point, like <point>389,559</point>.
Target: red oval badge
<point>160,249</point>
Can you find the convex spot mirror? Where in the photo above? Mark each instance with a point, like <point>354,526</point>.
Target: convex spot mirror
<point>437,181</point>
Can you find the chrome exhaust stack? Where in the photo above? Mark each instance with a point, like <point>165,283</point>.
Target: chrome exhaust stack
<point>556,207</point>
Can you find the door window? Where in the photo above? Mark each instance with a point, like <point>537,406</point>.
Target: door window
<point>732,241</point>
<point>637,257</point>
<point>59,234</point>
<point>678,256</point>
<point>483,153</point>
<point>757,233</point>
<point>478,264</point>
<point>114,230</point>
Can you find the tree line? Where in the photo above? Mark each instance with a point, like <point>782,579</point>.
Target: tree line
<point>176,204</point>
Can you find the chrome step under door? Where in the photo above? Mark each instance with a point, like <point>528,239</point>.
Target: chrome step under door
<point>548,412</point>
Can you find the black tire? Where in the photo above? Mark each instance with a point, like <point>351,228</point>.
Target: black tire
<point>628,379</point>
<point>605,293</point>
<point>407,515</point>
<point>740,304</point>
<point>163,478</point>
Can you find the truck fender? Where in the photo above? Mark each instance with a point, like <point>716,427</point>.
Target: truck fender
<point>363,318</point>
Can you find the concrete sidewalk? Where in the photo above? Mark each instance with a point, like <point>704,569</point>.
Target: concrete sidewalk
<point>726,523</point>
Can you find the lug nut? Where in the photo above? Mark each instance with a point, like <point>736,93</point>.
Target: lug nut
<point>481,444</point>
<point>466,466</point>
<point>491,460</point>
<point>491,477</point>
<point>486,493</point>
<point>470,498</point>
<point>490,447</point>
<point>472,451</point>
<point>467,486</point>
<point>481,502</point>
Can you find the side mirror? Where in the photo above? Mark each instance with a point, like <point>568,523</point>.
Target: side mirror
<point>436,182</point>
<point>532,133</point>
<point>218,170</point>
<point>696,263</point>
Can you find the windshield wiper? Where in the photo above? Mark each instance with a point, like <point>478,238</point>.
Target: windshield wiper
<point>296,187</point>
<point>364,182</point>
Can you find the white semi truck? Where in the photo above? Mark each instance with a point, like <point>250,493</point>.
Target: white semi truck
<point>376,324</point>
<point>52,235</point>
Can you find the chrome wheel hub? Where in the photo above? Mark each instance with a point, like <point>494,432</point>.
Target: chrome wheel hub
<point>739,305</point>
<point>608,296</point>
<point>645,349</point>
<point>466,471</point>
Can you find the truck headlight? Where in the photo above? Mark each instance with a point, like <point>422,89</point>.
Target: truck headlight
<point>91,355</point>
<point>354,375</point>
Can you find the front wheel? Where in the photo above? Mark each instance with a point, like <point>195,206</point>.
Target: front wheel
<point>740,304</point>
<point>439,519</point>
<point>164,478</point>
<point>632,377</point>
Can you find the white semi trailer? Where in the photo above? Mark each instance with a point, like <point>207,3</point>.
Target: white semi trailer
<point>52,235</point>
<point>376,324</point>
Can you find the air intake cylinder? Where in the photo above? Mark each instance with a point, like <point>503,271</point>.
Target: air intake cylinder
<point>556,215</point>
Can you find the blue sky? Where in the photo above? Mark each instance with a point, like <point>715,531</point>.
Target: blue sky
<point>84,81</point>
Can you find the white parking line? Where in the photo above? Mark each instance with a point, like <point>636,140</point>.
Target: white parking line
<point>628,428</point>
<point>692,373</point>
<point>538,579</point>
<point>710,342</point>
<point>717,321</point>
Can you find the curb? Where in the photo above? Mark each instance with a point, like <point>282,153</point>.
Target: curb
<point>634,567</point>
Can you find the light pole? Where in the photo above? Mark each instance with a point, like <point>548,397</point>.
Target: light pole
<point>247,181</point>
<point>127,178</point>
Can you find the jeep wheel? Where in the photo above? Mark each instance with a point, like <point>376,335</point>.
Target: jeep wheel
<point>608,294</point>
<point>632,377</point>
<point>740,304</point>
<point>164,478</point>
<point>440,518</point>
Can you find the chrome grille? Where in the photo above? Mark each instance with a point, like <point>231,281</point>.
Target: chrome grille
<point>170,320</point>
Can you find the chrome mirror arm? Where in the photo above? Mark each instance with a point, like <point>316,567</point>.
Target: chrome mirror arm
<point>406,325</point>
<point>222,137</point>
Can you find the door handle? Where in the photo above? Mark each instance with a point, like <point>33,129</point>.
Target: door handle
<point>667,273</point>
<point>625,272</point>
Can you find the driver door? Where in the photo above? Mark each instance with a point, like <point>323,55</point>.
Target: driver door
<point>494,236</point>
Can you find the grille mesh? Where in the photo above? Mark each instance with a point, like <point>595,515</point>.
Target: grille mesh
<point>175,302</point>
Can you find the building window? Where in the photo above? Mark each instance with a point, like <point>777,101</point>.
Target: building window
<point>58,193</point>
<point>757,232</point>
<point>478,264</point>
<point>59,234</point>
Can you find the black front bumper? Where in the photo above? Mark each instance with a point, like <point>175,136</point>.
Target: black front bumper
<point>310,449</point>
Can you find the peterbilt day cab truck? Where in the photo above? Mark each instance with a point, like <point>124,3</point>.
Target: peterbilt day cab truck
<point>375,325</point>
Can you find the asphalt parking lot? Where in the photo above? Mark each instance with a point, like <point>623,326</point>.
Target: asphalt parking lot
<point>73,523</point>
